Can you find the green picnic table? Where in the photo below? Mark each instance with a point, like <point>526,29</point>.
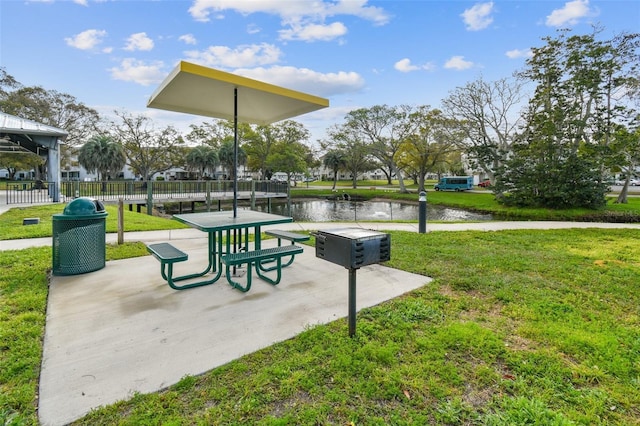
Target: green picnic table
<point>228,247</point>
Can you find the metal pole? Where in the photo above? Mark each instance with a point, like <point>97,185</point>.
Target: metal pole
<point>235,152</point>
<point>352,302</point>
<point>149,197</point>
<point>422,212</point>
<point>120,221</point>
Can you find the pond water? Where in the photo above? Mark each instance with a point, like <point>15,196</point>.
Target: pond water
<point>334,210</point>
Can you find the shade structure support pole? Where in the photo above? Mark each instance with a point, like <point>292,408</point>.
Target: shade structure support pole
<point>235,152</point>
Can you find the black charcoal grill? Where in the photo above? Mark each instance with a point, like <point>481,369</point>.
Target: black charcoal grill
<point>353,248</point>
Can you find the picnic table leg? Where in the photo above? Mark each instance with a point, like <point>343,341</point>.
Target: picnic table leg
<point>262,268</point>
<point>257,237</point>
<point>171,281</point>
<point>277,268</point>
<point>168,275</point>
<point>237,285</point>
<point>214,265</point>
<point>290,261</point>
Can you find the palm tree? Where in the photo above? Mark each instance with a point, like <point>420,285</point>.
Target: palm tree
<point>335,161</point>
<point>102,155</point>
<point>225,155</point>
<point>202,158</point>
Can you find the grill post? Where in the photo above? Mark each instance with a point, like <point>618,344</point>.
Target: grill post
<point>352,302</point>
<point>353,248</point>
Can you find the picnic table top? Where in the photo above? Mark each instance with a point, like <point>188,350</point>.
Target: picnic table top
<point>224,220</point>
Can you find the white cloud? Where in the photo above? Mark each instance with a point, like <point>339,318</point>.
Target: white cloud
<point>313,32</point>
<point>86,40</point>
<point>302,20</point>
<point>188,39</point>
<point>405,65</point>
<point>570,13</point>
<point>295,10</point>
<point>242,56</point>
<point>306,80</point>
<point>458,63</point>
<point>478,17</point>
<point>518,53</point>
<point>139,41</point>
<point>358,8</point>
<point>139,72</point>
<point>81,2</point>
<point>253,29</point>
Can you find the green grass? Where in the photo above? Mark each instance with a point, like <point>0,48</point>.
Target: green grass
<point>518,327</point>
<point>11,226</point>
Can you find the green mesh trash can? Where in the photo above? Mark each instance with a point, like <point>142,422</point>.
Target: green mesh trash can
<point>79,237</point>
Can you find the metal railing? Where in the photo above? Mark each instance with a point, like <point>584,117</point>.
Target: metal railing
<point>36,192</point>
<point>143,192</point>
<point>171,190</point>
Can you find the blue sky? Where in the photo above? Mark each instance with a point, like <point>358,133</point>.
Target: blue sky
<point>357,53</point>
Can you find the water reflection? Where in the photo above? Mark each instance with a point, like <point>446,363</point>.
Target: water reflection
<point>332,210</point>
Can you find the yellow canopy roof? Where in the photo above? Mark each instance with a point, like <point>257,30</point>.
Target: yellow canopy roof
<point>199,90</point>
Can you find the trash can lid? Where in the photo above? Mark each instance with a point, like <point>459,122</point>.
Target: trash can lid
<point>85,206</point>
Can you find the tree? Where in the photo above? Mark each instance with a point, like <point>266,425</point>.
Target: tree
<point>7,83</point>
<point>427,148</point>
<point>625,155</point>
<point>217,135</point>
<point>260,145</point>
<point>202,158</point>
<point>213,133</point>
<point>289,157</point>
<point>557,162</point>
<point>383,129</point>
<point>485,114</point>
<point>16,161</point>
<point>258,148</point>
<point>148,150</point>
<point>103,155</point>
<point>335,161</point>
<point>225,155</point>
<point>356,153</point>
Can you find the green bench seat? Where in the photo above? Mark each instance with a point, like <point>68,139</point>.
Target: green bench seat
<point>287,235</point>
<point>168,254</point>
<point>274,254</point>
<point>294,237</point>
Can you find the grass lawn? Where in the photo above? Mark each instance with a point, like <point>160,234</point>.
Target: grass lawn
<point>518,327</point>
<point>11,222</point>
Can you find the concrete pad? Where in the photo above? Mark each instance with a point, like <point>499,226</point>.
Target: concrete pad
<point>122,329</point>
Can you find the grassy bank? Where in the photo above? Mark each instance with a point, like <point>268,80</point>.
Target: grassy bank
<point>518,327</point>
<point>11,222</point>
